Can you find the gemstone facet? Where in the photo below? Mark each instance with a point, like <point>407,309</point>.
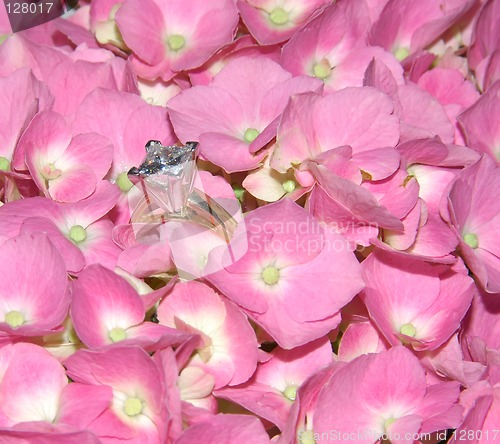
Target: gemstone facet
<point>169,173</point>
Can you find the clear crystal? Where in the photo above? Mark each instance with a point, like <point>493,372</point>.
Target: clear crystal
<point>169,173</point>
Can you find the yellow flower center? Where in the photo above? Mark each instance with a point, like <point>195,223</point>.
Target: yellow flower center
<point>291,392</point>
<point>401,53</point>
<point>176,42</point>
<point>133,406</point>
<point>278,16</point>
<point>471,240</point>
<point>408,330</point>
<point>117,334</point>
<point>250,135</point>
<point>14,318</point>
<point>322,70</point>
<point>289,186</point>
<point>271,275</point>
<point>77,234</point>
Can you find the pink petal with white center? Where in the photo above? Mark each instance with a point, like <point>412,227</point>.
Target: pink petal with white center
<point>481,125</point>
<point>137,410</point>
<point>270,23</point>
<point>100,319</point>
<point>76,183</point>
<point>226,331</point>
<point>226,429</point>
<point>360,338</point>
<point>474,214</point>
<point>29,306</point>
<point>329,37</point>
<point>426,321</point>
<point>31,384</point>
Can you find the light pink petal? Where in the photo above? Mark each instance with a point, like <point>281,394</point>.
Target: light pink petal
<point>43,303</point>
<point>102,301</point>
<point>98,247</point>
<point>92,150</point>
<point>82,403</point>
<point>73,257</point>
<point>226,429</point>
<point>360,338</point>
<point>296,139</point>
<point>356,199</point>
<point>378,163</point>
<point>422,116</point>
<point>485,37</point>
<point>76,183</point>
<point>32,384</point>
<point>362,118</point>
<point>142,26</point>
<point>411,222</point>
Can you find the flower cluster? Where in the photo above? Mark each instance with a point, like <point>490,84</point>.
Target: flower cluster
<point>362,141</point>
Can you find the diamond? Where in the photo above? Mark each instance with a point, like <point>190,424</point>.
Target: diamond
<point>169,173</point>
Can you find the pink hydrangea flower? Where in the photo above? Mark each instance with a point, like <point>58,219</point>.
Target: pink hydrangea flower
<point>385,394</point>
<point>137,412</point>
<point>332,47</point>
<point>107,310</point>
<point>271,21</point>
<point>296,275</point>
<point>66,168</point>
<point>414,302</point>
<point>481,125</point>
<point>166,38</point>
<point>34,307</point>
<point>273,388</point>
<point>237,114</point>
<point>37,397</point>
<point>228,347</point>
<point>474,214</point>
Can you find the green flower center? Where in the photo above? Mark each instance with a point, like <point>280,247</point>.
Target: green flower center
<point>239,192</point>
<point>322,70</point>
<point>401,53</point>
<point>4,164</point>
<point>289,186</point>
<point>291,392</point>
<point>408,330</point>
<point>176,42</point>
<point>77,234</point>
<point>471,240</point>
<point>271,275</point>
<point>117,334</point>
<point>250,135</point>
<point>133,406</point>
<point>278,16</point>
<point>124,182</point>
<point>14,318</point>
<point>50,172</point>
